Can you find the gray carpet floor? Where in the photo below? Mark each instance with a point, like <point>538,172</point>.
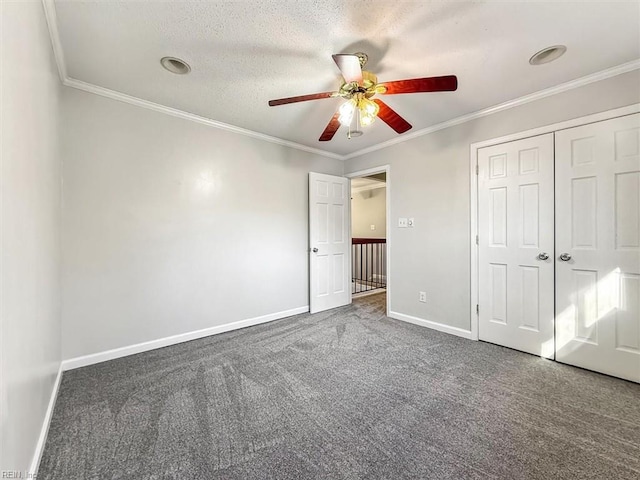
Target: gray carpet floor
<point>345,394</point>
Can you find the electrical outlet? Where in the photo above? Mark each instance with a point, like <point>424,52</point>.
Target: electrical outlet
<point>373,227</point>
<point>402,222</point>
<point>411,222</point>
<point>423,297</point>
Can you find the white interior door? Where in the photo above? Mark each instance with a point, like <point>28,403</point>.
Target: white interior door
<point>598,228</point>
<point>515,254</point>
<point>330,242</point>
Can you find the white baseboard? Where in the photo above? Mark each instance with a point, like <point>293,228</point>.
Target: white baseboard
<point>42,439</point>
<point>441,327</point>
<point>86,360</point>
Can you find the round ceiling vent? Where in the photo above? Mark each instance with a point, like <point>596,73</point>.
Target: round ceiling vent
<point>547,55</point>
<point>175,65</point>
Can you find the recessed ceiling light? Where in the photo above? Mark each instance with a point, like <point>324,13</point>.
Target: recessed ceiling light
<point>548,54</point>
<point>175,65</point>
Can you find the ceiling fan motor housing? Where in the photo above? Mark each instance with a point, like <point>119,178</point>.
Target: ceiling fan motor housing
<point>368,87</point>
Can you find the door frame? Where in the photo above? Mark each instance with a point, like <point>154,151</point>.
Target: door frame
<point>386,169</point>
<point>473,186</point>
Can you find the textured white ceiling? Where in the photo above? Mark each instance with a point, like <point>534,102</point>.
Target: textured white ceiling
<point>244,53</point>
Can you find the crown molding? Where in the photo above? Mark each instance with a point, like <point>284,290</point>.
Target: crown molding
<point>540,94</point>
<point>50,14</point>
<point>121,97</point>
<point>52,24</point>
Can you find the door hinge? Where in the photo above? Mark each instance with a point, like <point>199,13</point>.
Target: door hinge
<point>477,240</point>
<point>477,309</point>
<point>477,169</point>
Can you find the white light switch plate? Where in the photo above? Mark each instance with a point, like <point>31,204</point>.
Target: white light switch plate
<point>402,223</point>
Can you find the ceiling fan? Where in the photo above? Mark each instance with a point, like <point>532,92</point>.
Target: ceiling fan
<point>360,87</point>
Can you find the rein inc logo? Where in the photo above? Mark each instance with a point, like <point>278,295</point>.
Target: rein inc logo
<point>17,474</point>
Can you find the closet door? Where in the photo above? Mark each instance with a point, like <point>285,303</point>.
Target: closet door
<point>598,247</point>
<point>515,254</point>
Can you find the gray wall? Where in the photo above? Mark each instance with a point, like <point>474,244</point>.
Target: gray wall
<point>170,226</point>
<point>429,180</point>
<point>369,208</point>
<point>29,239</point>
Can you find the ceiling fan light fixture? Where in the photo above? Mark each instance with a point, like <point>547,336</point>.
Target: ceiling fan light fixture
<point>347,109</point>
<point>366,111</point>
<point>548,55</point>
<point>366,119</point>
<point>175,65</point>
<point>368,107</point>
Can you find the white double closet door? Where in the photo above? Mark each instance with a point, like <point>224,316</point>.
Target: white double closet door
<point>559,246</point>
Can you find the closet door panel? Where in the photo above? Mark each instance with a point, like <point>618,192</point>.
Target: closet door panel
<point>598,246</point>
<point>515,218</point>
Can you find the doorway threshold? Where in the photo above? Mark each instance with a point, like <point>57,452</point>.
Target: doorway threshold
<point>370,292</point>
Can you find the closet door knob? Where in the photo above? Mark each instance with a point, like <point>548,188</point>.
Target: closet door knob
<point>565,257</point>
<point>543,256</point>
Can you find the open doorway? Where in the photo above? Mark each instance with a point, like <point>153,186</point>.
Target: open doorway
<point>369,239</point>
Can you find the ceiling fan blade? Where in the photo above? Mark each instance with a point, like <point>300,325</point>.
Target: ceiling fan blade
<point>391,118</point>
<point>349,66</point>
<point>332,128</point>
<point>448,83</point>
<point>301,98</point>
